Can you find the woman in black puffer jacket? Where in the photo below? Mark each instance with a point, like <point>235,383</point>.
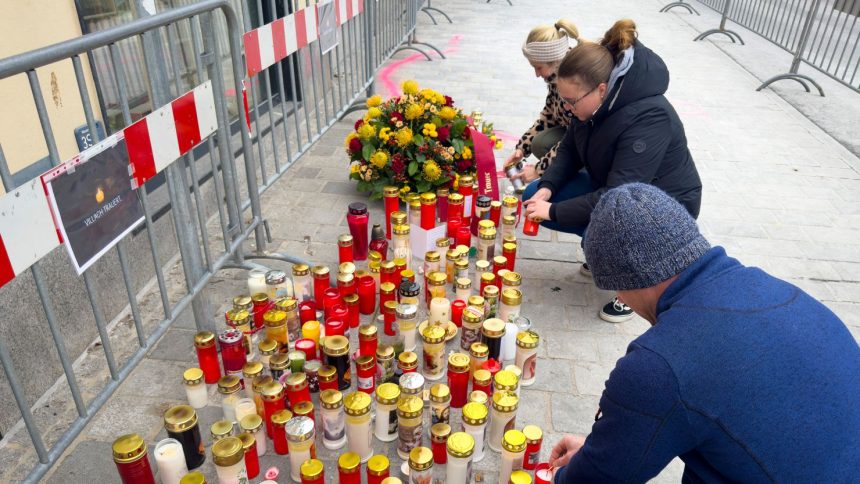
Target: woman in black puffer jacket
<point>625,130</point>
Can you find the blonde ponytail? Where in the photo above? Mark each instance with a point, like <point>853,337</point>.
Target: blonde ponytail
<point>568,27</point>
<point>619,37</point>
<point>547,33</point>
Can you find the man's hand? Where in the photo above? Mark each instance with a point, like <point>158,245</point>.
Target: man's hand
<point>515,158</point>
<point>566,448</point>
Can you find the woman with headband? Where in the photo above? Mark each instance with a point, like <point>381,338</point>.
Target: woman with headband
<point>544,48</point>
<point>625,131</point>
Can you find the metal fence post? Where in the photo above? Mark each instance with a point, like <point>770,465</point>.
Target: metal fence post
<point>731,34</point>
<point>177,186</point>
<point>798,56</point>
<point>682,4</point>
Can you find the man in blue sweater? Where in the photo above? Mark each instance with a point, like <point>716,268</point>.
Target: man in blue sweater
<point>743,376</point>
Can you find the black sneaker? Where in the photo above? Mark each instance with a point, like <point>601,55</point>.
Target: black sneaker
<point>585,270</point>
<point>616,312</point>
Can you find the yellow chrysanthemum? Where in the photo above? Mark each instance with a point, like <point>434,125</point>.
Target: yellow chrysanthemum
<point>467,153</point>
<point>366,131</point>
<point>410,87</point>
<point>403,137</point>
<point>405,189</point>
<point>456,184</point>
<point>432,171</point>
<point>429,130</point>
<point>440,98</point>
<point>499,144</point>
<point>447,113</point>
<point>374,113</point>
<point>353,168</point>
<point>349,138</point>
<point>414,111</point>
<point>379,159</point>
<point>374,101</point>
<point>385,134</point>
<point>429,94</point>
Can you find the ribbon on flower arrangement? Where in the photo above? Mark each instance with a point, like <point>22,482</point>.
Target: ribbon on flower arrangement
<point>485,161</point>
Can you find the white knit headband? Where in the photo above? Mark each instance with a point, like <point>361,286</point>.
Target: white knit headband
<point>546,52</point>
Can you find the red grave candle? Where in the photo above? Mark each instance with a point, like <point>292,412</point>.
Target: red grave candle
<point>353,317</point>
<point>454,224</point>
<point>340,312</point>
<point>387,292</point>
<point>499,263</point>
<point>458,379</point>
<point>331,297</point>
<point>400,265</point>
<point>345,249</point>
<point>366,369</point>
<point>442,204</point>
<point>366,295</point>
<point>321,281</point>
<point>308,347</point>
<point>368,340</point>
<point>279,433</point>
<point>428,211</point>
<point>207,356</point>
<point>252,460</point>
<point>261,305</point>
<point>543,474</point>
<point>307,310</point>
<point>463,237</point>
<point>346,284</point>
<point>232,343</point>
<point>495,212</point>
<point>387,272</point>
<point>334,327</point>
<point>389,315</point>
<point>509,251</point>
<point>534,439</point>
<point>530,227</point>
<point>132,464</point>
<point>391,195</point>
<point>455,206</point>
<point>273,402</point>
<point>467,189</point>
<point>298,389</point>
<point>440,451</point>
<point>457,308</point>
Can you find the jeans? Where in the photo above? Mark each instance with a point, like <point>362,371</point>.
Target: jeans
<point>579,185</point>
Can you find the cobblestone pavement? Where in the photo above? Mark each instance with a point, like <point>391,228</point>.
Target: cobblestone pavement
<point>779,193</point>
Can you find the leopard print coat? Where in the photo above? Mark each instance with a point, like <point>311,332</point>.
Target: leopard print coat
<point>553,114</point>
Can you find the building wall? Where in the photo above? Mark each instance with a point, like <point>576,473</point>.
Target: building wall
<point>28,25</point>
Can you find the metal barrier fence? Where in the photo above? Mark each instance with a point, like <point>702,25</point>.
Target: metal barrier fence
<point>292,103</point>
<point>823,34</point>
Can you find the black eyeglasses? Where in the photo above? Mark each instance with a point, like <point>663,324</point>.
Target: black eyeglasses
<point>572,103</point>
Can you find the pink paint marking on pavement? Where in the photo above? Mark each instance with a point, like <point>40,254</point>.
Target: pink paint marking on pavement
<point>388,71</point>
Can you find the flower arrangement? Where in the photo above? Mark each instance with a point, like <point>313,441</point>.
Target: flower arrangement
<point>418,141</point>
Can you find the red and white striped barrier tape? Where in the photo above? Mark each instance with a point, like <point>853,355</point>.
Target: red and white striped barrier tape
<point>169,132</point>
<point>273,42</point>
<point>27,230</point>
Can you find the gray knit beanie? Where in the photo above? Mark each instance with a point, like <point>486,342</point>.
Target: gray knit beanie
<point>638,237</point>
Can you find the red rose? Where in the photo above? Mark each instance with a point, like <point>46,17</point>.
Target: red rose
<point>396,116</point>
<point>358,124</point>
<point>467,133</point>
<point>443,134</point>
<point>449,101</point>
<point>355,145</point>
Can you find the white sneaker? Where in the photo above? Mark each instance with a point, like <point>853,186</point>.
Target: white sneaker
<point>616,311</point>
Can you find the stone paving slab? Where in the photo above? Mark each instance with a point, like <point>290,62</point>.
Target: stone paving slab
<point>779,193</point>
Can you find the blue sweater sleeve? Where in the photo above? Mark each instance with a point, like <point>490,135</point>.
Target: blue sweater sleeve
<point>642,427</point>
